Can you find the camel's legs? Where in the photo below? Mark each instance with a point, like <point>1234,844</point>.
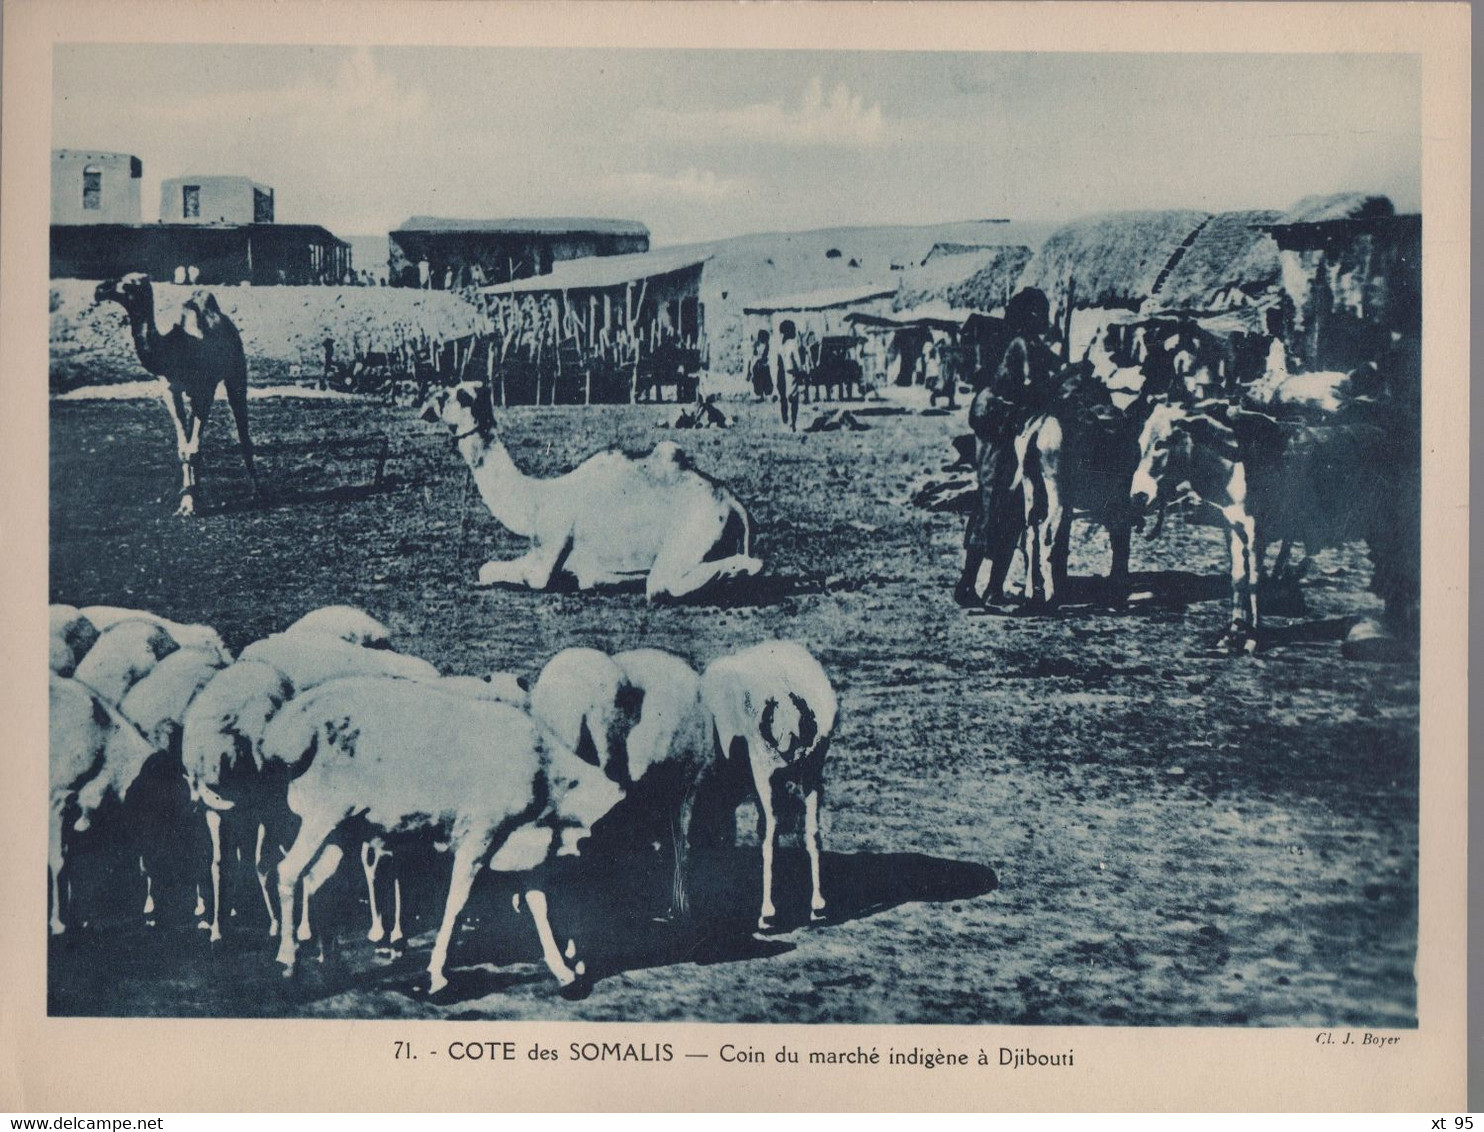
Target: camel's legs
<point>680,568</point>
<point>237,400</point>
<point>534,569</point>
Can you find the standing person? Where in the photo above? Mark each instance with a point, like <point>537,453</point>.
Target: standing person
<point>790,373</point>
<point>424,273</point>
<point>761,368</point>
<point>1024,384</point>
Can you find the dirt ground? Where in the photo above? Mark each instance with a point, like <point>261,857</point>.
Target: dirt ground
<point>1077,818</point>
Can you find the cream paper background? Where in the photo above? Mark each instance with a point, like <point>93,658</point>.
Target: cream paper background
<point>142,1066</point>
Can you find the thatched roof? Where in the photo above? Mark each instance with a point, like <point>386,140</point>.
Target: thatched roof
<point>1337,206</point>
<point>1231,252</point>
<point>977,280</point>
<point>1115,259</point>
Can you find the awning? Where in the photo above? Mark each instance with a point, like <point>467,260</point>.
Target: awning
<point>596,273</point>
<point>818,300</point>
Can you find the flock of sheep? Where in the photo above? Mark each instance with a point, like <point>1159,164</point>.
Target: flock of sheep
<point>324,727</point>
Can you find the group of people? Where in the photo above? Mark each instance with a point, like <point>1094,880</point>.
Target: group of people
<point>790,374</point>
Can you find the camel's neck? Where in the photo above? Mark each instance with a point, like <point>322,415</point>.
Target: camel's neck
<point>147,342</point>
<point>512,496</point>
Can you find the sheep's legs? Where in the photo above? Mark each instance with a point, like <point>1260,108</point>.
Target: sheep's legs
<point>371,854</point>
<point>322,870</point>
<point>769,839</point>
<point>467,855</point>
<point>260,867</point>
<point>396,936</point>
<point>56,859</point>
<point>312,835</point>
<point>813,843</point>
<point>566,976</point>
<point>680,840</point>
<point>214,827</point>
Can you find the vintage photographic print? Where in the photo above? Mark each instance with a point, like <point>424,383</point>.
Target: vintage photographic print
<point>666,534</point>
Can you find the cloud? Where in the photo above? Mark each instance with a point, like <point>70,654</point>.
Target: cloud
<point>355,98</point>
<point>837,118</point>
<point>690,184</point>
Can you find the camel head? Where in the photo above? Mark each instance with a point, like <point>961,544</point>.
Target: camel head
<point>465,409</point>
<point>132,292</point>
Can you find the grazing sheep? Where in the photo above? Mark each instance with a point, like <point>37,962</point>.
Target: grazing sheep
<point>499,785</point>
<point>669,750</point>
<point>155,706</point>
<point>72,635</point>
<point>220,748</point>
<point>583,696</point>
<point>220,734</point>
<point>124,653</point>
<point>773,705</point>
<point>87,736</point>
<point>347,623</point>
<point>105,617</point>
<point>503,687</point>
<point>158,702</point>
<point>638,716</point>
<point>308,658</point>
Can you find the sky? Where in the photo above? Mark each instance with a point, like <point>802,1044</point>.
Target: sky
<point>705,144</point>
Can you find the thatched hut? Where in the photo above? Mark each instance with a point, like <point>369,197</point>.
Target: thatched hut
<point>1231,262</point>
<point>1352,270</point>
<point>981,279</point>
<point>1113,261</point>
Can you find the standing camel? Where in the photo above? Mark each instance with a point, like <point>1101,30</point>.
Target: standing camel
<point>615,518</point>
<point>199,353</point>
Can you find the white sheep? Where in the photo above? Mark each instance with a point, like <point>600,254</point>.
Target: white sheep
<point>308,659</point>
<point>86,734</point>
<point>123,654</point>
<point>773,705</point>
<point>587,701</point>
<point>638,715</point>
<point>407,756</point>
<point>105,617</point>
<point>157,703</point>
<point>221,737</point>
<point>220,733</point>
<point>502,687</point>
<point>72,635</point>
<point>347,623</point>
<point>156,706</point>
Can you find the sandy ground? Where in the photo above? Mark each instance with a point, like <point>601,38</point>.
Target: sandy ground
<point>1078,818</point>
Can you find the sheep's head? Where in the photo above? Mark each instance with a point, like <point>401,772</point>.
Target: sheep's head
<point>465,409</point>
